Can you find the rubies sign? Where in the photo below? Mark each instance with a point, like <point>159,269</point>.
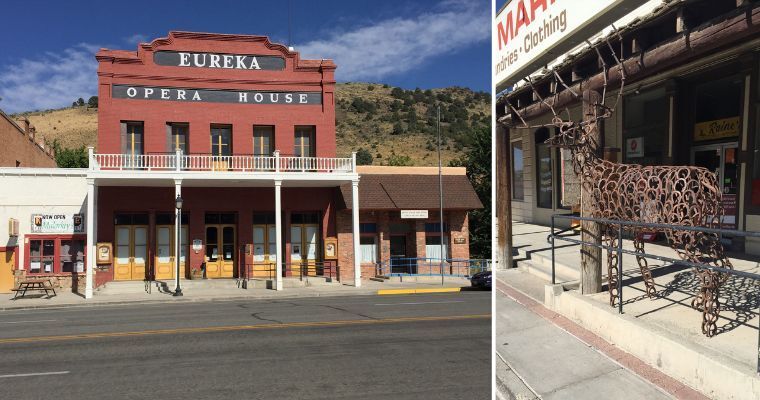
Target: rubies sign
<point>215,60</point>
<point>215,96</point>
<point>717,129</point>
<point>57,223</point>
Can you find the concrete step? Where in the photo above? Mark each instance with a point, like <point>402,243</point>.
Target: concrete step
<point>563,274</point>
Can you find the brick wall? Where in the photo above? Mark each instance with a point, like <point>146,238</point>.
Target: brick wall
<point>19,148</point>
<point>459,230</point>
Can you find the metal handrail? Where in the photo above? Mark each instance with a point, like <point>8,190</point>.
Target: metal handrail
<point>412,266</point>
<point>620,251</point>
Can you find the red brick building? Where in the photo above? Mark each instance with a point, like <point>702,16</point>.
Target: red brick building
<point>243,132</point>
<point>21,146</point>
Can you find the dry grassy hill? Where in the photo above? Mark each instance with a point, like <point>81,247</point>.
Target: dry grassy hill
<point>375,117</point>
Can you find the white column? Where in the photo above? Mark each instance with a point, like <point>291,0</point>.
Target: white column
<point>355,232</point>
<point>91,251</point>
<point>278,233</point>
<point>177,225</point>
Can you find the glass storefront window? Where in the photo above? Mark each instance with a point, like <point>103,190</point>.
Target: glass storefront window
<point>645,123</point>
<point>517,171</point>
<point>544,178</point>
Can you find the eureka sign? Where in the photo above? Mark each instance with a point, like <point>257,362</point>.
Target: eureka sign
<point>215,95</point>
<point>216,60</point>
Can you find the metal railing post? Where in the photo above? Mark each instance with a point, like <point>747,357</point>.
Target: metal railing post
<point>178,160</point>
<point>620,268</point>
<point>554,278</point>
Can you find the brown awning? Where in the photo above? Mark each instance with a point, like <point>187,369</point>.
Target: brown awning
<point>412,192</point>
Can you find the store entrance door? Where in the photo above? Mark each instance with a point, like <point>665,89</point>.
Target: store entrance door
<point>164,261</point>
<point>220,251</point>
<point>6,270</point>
<point>722,159</point>
<point>399,261</point>
<point>131,252</point>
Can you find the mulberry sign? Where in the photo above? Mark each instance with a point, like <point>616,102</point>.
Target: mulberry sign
<point>216,60</point>
<point>215,95</point>
<point>57,223</point>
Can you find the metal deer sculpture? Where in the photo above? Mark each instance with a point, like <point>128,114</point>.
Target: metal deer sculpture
<point>676,195</point>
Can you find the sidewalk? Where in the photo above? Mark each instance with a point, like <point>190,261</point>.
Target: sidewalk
<point>537,359</point>
<point>138,295</point>
<point>671,310</point>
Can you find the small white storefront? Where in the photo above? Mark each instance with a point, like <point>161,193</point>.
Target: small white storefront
<point>43,212</point>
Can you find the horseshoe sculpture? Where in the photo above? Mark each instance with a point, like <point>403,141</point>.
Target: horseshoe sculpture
<point>675,195</point>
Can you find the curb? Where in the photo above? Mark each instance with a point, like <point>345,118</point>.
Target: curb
<point>417,291</point>
<point>183,300</point>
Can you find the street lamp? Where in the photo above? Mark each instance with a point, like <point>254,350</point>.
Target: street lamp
<point>177,222</point>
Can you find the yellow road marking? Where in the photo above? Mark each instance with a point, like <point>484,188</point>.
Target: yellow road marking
<point>418,291</point>
<point>239,328</point>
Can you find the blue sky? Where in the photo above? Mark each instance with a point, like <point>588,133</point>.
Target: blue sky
<point>47,52</point>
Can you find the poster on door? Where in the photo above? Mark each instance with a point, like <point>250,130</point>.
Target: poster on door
<point>729,211</point>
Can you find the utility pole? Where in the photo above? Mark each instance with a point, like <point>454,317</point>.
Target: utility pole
<point>440,191</point>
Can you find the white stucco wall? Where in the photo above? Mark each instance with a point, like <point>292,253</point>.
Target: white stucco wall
<point>27,191</point>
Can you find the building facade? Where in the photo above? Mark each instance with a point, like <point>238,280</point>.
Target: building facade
<point>690,98</point>
<point>218,152</point>
<point>21,145</point>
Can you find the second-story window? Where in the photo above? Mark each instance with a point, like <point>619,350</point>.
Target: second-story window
<point>176,137</point>
<point>221,140</point>
<point>304,141</point>
<point>263,140</point>
<point>132,137</point>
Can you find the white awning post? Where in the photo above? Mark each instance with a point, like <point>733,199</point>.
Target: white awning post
<point>91,158</point>
<point>91,251</point>
<point>177,227</point>
<point>278,233</point>
<point>355,232</point>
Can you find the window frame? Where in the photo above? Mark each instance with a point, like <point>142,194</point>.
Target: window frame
<point>130,137</point>
<point>298,146</point>
<point>375,241</point>
<point>258,142</point>
<point>228,145</point>
<point>174,127</point>
<point>56,258</point>
<point>512,146</point>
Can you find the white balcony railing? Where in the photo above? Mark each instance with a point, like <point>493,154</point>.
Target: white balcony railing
<point>207,162</point>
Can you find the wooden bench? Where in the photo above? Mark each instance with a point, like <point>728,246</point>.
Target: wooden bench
<point>34,285</point>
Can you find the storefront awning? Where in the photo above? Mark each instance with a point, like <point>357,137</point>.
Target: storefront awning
<point>396,192</point>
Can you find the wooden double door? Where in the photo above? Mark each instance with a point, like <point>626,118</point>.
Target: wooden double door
<point>304,249</point>
<point>264,251</point>
<point>130,252</point>
<point>220,250</point>
<point>164,261</point>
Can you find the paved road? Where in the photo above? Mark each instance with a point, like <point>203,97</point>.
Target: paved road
<point>371,347</point>
<point>538,360</point>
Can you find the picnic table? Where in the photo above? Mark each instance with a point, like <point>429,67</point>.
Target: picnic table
<point>34,285</point>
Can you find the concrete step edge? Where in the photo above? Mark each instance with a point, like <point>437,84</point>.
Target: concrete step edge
<point>545,273</point>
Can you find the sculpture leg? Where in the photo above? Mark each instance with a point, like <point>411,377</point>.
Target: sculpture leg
<point>646,274</point>
<point>612,261</point>
<point>710,303</point>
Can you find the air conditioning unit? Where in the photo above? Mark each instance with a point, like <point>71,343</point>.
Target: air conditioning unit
<point>12,227</point>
